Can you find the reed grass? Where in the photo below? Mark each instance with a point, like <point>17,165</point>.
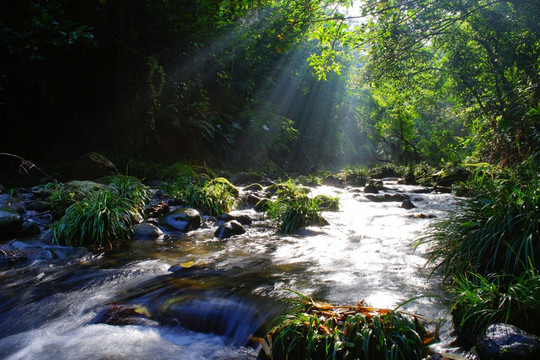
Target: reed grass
<point>497,229</point>
<point>484,300</point>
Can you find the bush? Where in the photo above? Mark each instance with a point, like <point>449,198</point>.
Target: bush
<point>482,301</point>
<point>323,331</point>
<point>103,218</point>
<point>213,197</point>
<point>132,190</point>
<point>292,215</point>
<point>496,230</point>
<point>356,176</point>
<point>327,203</point>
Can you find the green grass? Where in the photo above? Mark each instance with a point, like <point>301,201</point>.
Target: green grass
<point>101,219</point>
<point>481,301</point>
<point>102,216</point>
<point>322,331</point>
<point>495,230</point>
<point>212,197</point>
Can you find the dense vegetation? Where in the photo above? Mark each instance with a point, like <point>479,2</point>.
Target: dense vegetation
<point>260,84</point>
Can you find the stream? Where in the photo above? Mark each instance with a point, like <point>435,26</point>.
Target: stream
<point>226,292</point>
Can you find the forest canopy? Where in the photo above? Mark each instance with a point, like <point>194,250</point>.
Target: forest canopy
<point>294,84</point>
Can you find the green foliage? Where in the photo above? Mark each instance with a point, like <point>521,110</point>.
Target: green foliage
<point>293,209</point>
<point>213,197</point>
<point>495,230</point>
<point>132,190</point>
<point>481,301</point>
<point>323,331</point>
<point>356,176</point>
<point>102,219</point>
<point>328,203</point>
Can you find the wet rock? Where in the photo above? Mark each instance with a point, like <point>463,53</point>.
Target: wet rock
<point>245,178</point>
<point>507,342</point>
<point>10,221</point>
<point>331,180</point>
<point>209,221</point>
<point>30,228</point>
<point>242,218</point>
<point>253,199</point>
<point>37,205</point>
<point>186,219</point>
<point>124,314</point>
<point>371,189</point>
<point>262,205</point>
<point>396,197</point>
<point>407,205</point>
<point>230,228</point>
<point>2,189</point>
<point>10,258</point>
<point>157,210</point>
<point>92,166</point>
<point>254,187</point>
<point>146,231</point>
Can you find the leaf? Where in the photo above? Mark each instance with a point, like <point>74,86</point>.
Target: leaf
<point>278,50</point>
<point>143,311</point>
<point>187,264</point>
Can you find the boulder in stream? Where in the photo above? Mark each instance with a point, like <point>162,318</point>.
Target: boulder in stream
<point>146,231</point>
<point>230,228</point>
<point>407,205</point>
<point>92,166</point>
<point>10,221</point>
<point>507,342</point>
<point>185,219</point>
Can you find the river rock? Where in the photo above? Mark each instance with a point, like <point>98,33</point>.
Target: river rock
<point>230,228</point>
<point>146,231</point>
<point>245,178</point>
<point>92,166</point>
<point>10,221</point>
<point>124,314</point>
<point>507,342</point>
<point>254,187</point>
<point>407,205</point>
<point>371,189</point>
<point>10,258</point>
<point>37,205</point>
<point>331,180</point>
<point>262,205</point>
<point>186,219</point>
<point>242,218</point>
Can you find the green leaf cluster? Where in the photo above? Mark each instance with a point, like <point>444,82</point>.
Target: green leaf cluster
<point>323,331</point>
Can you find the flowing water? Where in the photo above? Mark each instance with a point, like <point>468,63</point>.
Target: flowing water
<point>226,293</point>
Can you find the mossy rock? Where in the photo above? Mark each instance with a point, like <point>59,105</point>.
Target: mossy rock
<point>232,189</point>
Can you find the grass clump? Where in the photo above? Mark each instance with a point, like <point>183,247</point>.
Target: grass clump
<point>213,197</point>
<point>323,331</point>
<point>101,219</point>
<point>327,203</point>
<point>356,176</point>
<point>293,209</point>
<point>497,229</point>
<point>482,301</point>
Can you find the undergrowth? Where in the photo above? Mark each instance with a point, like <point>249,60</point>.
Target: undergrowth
<point>322,331</point>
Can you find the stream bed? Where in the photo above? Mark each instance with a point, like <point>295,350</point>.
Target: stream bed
<point>226,292</point>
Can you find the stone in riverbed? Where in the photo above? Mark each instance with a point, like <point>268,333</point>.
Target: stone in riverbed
<point>186,219</point>
<point>230,228</point>
<point>93,166</point>
<point>10,221</point>
<point>507,342</point>
<point>146,231</point>
<point>407,205</point>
